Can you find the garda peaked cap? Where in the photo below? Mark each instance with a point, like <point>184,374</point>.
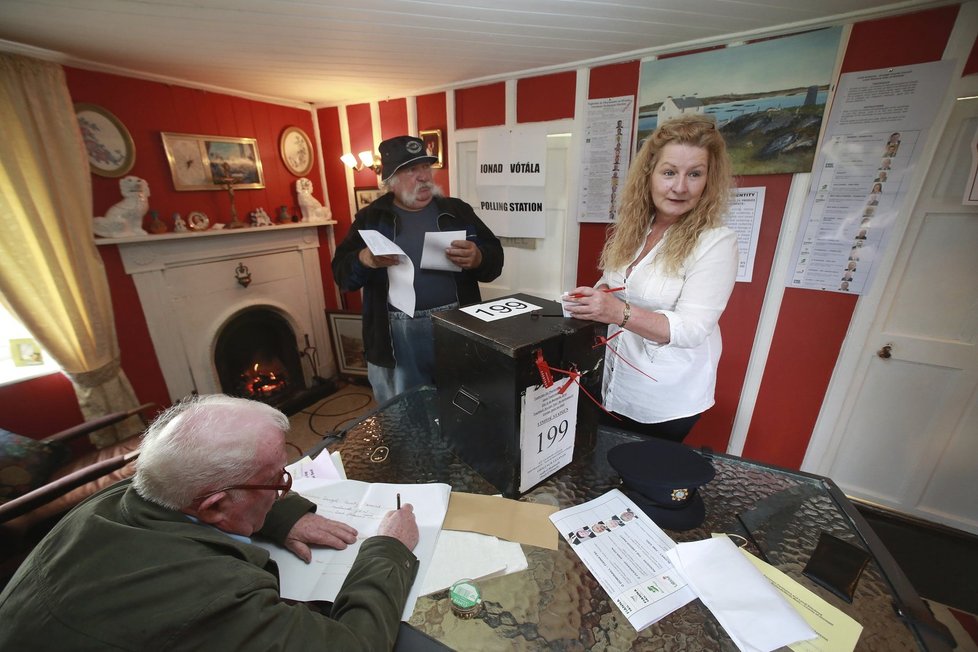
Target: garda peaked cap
<point>662,478</point>
<point>402,151</point>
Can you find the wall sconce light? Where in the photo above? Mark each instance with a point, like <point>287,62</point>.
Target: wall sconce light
<point>367,161</point>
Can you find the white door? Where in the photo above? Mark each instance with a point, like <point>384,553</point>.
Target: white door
<point>542,267</point>
<point>907,435</point>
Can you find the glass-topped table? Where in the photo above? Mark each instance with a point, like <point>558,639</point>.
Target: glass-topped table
<point>557,605</point>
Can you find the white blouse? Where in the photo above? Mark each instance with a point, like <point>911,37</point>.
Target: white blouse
<point>684,369</point>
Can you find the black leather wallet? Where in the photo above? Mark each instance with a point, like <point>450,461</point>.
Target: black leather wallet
<point>836,565</point>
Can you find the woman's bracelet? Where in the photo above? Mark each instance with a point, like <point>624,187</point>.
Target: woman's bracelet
<point>626,313</point>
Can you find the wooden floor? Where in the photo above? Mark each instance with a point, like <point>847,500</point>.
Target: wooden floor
<point>330,414</point>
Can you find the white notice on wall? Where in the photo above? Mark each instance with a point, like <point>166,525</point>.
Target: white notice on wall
<point>547,431</point>
<point>744,217</point>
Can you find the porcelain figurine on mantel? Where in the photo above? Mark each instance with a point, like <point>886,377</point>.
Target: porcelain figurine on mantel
<point>125,218</point>
<point>179,225</point>
<point>312,210</point>
<point>260,218</point>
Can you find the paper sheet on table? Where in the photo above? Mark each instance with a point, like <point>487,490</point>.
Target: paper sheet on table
<point>308,472</point>
<point>467,555</point>
<point>433,253</point>
<point>626,553</point>
<point>753,613</point>
<point>400,277</point>
<point>361,505</point>
<point>837,632</point>
<point>501,517</point>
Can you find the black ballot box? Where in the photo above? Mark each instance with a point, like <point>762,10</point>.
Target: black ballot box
<point>494,405</point>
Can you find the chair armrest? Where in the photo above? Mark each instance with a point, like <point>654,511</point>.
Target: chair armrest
<point>44,494</point>
<point>96,424</point>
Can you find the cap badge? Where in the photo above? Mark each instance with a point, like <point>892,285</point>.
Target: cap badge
<point>680,495</point>
<point>413,147</point>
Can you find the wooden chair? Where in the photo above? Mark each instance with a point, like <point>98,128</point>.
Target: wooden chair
<point>25,519</point>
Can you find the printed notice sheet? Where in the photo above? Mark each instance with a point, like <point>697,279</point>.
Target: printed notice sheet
<point>548,430</point>
<point>625,552</point>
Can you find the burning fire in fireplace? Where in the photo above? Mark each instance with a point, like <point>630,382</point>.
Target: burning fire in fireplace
<point>263,383</point>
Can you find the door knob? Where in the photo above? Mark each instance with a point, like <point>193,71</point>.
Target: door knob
<point>885,351</point>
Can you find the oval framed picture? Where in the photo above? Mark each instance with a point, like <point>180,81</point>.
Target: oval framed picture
<point>198,221</point>
<point>296,151</point>
<point>109,145</point>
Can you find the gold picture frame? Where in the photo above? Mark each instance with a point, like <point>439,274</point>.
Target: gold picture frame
<point>205,162</point>
<point>432,144</point>
<point>111,152</point>
<point>363,197</point>
<point>295,148</point>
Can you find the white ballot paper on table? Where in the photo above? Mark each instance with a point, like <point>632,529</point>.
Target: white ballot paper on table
<point>361,505</point>
<point>753,613</point>
<point>626,552</point>
<point>433,253</point>
<point>400,277</point>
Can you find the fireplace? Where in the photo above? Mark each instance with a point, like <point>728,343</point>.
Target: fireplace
<point>256,357</point>
<point>210,329</point>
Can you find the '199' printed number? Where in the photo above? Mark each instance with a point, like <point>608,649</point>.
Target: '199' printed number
<point>554,435</point>
<point>503,308</point>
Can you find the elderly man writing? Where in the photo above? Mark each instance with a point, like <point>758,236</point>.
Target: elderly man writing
<point>399,348</point>
<point>165,561</point>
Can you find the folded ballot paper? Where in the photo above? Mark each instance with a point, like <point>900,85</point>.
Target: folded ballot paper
<point>753,613</point>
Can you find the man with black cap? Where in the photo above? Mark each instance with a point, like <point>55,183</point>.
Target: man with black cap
<point>399,348</point>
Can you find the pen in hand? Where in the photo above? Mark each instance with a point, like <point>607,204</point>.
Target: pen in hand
<point>398,501</point>
<point>578,296</point>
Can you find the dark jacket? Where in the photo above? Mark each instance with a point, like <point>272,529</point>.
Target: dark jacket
<point>351,274</point>
<point>121,573</point>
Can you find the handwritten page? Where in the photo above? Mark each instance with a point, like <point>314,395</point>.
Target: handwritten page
<point>626,553</point>
<point>433,253</point>
<point>400,277</point>
<point>361,505</point>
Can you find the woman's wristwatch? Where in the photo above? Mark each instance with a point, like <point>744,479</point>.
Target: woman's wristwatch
<point>626,314</point>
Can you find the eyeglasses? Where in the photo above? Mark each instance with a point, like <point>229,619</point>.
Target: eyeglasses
<point>282,487</point>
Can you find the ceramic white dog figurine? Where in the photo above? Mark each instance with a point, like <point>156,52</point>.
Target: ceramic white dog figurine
<point>312,210</point>
<point>126,217</point>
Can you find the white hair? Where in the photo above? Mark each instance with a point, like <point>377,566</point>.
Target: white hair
<point>201,444</point>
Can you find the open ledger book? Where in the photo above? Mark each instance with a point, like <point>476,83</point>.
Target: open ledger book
<point>361,505</point>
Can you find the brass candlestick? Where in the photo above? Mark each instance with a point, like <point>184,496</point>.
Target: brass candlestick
<point>229,180</point>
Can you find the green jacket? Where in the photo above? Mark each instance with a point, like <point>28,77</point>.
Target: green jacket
<point>121,573</point>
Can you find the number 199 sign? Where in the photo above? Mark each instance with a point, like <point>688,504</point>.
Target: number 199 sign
<point>549,425</point>
<point>500,309</point>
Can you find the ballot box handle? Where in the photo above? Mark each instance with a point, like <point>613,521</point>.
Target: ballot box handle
<point>466,401</point>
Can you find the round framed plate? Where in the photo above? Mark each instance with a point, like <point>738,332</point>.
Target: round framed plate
<point>110,149</point>
<point>198,221</point>
<point>296,151</point>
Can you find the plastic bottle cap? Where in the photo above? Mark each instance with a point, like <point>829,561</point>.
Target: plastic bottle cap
<point>465,598</point>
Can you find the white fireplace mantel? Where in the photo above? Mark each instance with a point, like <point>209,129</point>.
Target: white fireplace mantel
<point>189,291</point>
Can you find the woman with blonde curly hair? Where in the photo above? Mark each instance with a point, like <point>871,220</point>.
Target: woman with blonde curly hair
<point>669,265</point>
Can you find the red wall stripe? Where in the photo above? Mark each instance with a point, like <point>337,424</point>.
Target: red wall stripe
<point>393,118</point>
<point>480,106</point>
<point>548,97</point>
<point>899,40</point>
<point>971,65</point>
<point>738,325</point>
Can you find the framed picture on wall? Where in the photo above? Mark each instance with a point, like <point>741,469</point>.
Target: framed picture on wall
<point>108,142</point>
<point>209,162</point>
<point>345,330</point>
<point>432,144</point>
<point>365,196</point>
<point>295,147</point>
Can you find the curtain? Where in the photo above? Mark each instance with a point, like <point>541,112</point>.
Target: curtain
<point>51,275</point>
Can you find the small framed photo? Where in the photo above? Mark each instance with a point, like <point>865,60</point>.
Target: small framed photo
<point>346,332</point>
<point>432,145</point>
<point>295,147</point>
<point>366,196</point>
<point>211,162</point>
<point>25,352</point>
<point>108,142</point>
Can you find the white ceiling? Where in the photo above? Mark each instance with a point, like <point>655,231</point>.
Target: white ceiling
<point>331,52</point>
